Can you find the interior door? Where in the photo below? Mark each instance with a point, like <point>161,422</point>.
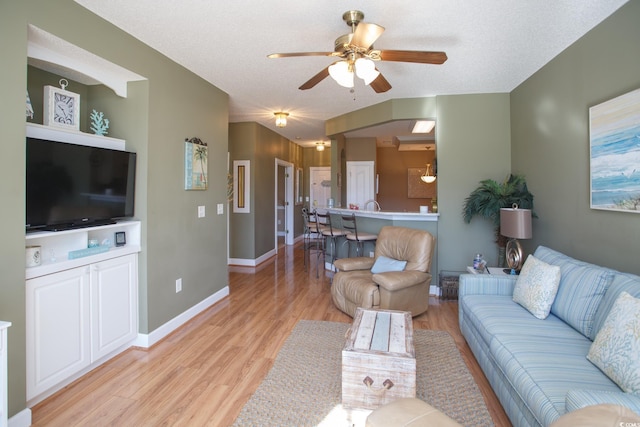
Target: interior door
<point>319,186</point>
<point>360,183</point>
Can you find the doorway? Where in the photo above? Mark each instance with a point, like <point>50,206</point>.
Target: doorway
<point>319,186</point>
<point>283,203</point>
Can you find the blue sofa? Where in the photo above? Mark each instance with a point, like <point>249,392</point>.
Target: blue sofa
<point>538,368</point>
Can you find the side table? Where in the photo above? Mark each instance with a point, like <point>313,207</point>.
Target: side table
<point>496,271</point>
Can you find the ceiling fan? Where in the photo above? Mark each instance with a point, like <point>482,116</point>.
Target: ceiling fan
<point>357,55</point>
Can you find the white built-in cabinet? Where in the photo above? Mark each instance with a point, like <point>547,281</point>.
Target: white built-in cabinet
<point>3,373</point>
<point>79,312</point>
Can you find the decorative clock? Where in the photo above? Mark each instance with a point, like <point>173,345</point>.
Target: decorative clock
<point>61,107</point>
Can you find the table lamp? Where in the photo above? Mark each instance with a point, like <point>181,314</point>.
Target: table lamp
<point>516,224</point>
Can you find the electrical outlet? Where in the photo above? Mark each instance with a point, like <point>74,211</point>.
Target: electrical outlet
<point>201,212</point>
<point>370,254</point>
<point>178,285</point>
<point>220,208</point>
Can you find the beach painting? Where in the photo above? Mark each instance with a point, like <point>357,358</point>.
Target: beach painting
<point>614,132</point>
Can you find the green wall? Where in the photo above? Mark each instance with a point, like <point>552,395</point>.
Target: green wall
<point>550,142</point>
<point>473,138</point>
<point>154,119</point>
<point>252,234</point>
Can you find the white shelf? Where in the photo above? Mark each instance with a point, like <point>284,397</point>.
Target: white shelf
<point>56,245</point>
<point>35,130</point>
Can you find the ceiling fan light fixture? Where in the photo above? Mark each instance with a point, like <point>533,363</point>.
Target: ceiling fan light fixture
<point>281,119</point>
<point>423,126</point>
<point>427,176</point>
<point>366,70</point>
<point>342,73</point>
<point>320,146</point>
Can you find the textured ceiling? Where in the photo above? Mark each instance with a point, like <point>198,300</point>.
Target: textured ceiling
<point>492,46</point>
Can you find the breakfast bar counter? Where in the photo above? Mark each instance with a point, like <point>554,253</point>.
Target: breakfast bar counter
<point>372,221</point>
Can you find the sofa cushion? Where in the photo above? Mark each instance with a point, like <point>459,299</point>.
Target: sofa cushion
<point>617,346</point>
<point>627,282</point>
<point>384,264</point>
<point>537,286</point>
<point>498,314</point>
<point>543,368</point>
<point>582,286</point>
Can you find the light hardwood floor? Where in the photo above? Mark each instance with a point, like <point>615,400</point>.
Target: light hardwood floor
<point>204,372</point>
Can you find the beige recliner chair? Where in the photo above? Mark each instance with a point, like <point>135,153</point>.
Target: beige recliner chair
<point>407,290</point>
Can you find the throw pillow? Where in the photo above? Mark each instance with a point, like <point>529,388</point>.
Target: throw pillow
<point>536,286</point>
<point>581,290</point>
<point>617,346</point>
<point>384,264</point>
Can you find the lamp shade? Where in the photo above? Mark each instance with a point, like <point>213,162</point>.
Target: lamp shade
<point>341,73</point>
<point>515,223</point>
<point>366,70</point>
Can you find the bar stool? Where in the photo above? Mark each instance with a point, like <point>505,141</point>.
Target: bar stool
<point>353,236</point>
<point>312,240</point>
<point>332,234</point>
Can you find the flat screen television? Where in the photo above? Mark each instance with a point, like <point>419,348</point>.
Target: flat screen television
<point>72,186</point>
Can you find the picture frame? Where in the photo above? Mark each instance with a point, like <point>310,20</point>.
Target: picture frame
<point>61,108</point>
<point>416,188</point>
<point>241,186</point>
<point>120,238</point>
<point>614,154</point>
<point>196,154</point>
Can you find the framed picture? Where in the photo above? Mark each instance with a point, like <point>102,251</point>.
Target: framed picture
<point>195,164</point>
<point>241,186</point>
<point>61,108</point>
<point>416,188</point>
<point>614,142</point>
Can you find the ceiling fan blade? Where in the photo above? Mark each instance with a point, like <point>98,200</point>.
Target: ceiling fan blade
<point>366,34</point>
<point>315,79</point>
<point>380,84</point>
<point>292,54</point>
<point>413,56</point>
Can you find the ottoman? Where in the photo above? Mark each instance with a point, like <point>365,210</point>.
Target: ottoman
<point>409,412</point>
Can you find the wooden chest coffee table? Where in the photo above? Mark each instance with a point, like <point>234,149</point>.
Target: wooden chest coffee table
<point>378,359</point>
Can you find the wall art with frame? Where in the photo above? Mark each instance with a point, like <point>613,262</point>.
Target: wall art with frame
<point>241,186</point>
<point>614,142</point>
<point>195,164</point>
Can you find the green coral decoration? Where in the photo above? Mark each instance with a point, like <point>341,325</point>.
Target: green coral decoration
<point>99,124</point>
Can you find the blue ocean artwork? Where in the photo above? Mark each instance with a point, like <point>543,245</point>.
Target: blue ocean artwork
<point>615,154</point>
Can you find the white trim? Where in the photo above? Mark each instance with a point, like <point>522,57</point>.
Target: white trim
<point>147,340</point>
<point>35,130</point>
<point>288,198</point>
<point>244,262</point>
<point>21,419</point>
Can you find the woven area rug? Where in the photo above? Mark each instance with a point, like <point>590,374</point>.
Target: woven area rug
<point>303,388</point>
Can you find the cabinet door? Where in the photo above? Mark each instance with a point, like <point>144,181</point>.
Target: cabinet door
<point>114,299</point>
<point>57,328</point>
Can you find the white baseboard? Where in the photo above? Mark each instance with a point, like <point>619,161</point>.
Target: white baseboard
<point>147,340</point>
<point>21,419</point>
<point>251,262</point>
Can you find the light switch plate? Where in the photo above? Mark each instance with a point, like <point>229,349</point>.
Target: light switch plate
<point>220,208</point>
<point>201,212</point>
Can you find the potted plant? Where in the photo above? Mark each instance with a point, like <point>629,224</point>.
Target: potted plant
<point>487,200</point>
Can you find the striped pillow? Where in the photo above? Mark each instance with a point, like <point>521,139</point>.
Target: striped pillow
<point>617,346</point>
<point>582,287</point>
